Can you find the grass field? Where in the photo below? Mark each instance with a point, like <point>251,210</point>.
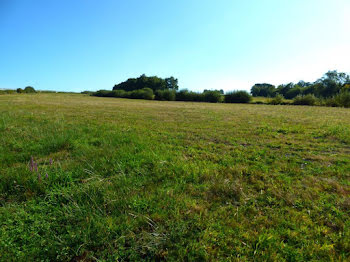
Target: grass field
<point>126,180</point>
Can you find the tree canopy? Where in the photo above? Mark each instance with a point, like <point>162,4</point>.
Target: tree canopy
<point>152,82</point>
<point>329,85</point>
<point>266,90</point>
<point>29,89</point>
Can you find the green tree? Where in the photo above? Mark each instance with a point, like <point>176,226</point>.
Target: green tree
<point>29,89</point>
<point>331,83</point>
<point>152,82</point>
<point>284,89</point>
<point>172,83</point>
<point>265,90</point>
<point>293,92</point>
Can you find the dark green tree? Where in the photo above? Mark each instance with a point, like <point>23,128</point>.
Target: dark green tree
<point>284,89</point>
<point>265,90</point>
<point>153,82</point>
<point>172,83</point>
<point>29,89</point>
<point>331,83</point>
<point>293,92</point>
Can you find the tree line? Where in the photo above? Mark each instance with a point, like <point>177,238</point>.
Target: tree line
<point>330,84</point>
<point>31,90</point>
<point>333,89</point>
<point>27,90</point>
<point>167,89</point>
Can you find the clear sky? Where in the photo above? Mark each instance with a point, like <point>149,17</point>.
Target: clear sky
<point>75,45</point>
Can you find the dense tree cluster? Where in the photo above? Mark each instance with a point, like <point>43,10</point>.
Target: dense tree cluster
<point>29,89</point>
<point>331,84</point>
<point>157,88</point>
<point>153,82</point>
<point>265,90</point>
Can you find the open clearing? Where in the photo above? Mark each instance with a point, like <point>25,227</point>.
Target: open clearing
<point>136,179</point>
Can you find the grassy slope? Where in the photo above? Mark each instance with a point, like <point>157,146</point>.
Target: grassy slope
<point>136,179</point>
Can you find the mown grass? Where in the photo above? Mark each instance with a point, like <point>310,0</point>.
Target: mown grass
<point>149,180</point>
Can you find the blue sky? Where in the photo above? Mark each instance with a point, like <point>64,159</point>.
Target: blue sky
<point>75,45</point>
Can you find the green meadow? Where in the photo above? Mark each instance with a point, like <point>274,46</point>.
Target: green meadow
<point>106,179</point>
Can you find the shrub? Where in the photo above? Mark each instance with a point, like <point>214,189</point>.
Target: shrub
<point>277,100</point>
<point>329,102</point>
<point>51,92</point>
<point>197,97</point>
<point>103,93</point>
<point>185,95</point>
<point>212,96</point>
<point>136,94</point>
<point>147,93</point>
<point>29,89</point>
<point>144,93</point>
<point>120,94</point>
<point>7,91</point>
<point>343,99</point>
<point>19,90</point>
<point>87,93</point>
<point>308,100</point>
<point>238,97</point>
<point>165,95</point>
<point>340,100</point>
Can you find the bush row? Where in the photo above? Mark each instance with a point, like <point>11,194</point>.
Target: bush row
<point>212,96</point>
<point>342,99</point>
<point>144,93</point>
<point>28,89</point>
<point>7,91</point>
